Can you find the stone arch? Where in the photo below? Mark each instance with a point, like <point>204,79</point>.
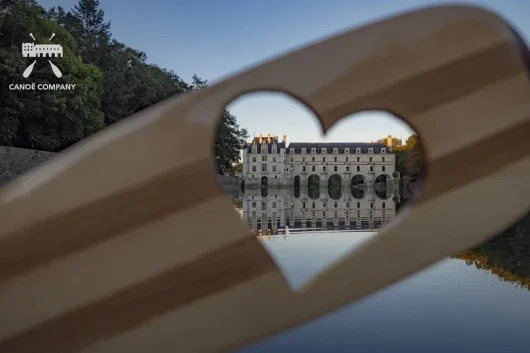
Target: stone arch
<point>296,181</point>
<point>313,186</point>
<point>381,186</point>
<point>358,180</point>
<point>264,181</point>
<point>358,186</point>
<point>382,178</point>
<point>335,186</point>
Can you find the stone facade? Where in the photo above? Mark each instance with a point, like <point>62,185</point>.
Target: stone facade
<point>268,161</point>
<point>281,208</point>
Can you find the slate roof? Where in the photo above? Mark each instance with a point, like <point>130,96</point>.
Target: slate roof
<point>340,145</point>
<point>279,144</point>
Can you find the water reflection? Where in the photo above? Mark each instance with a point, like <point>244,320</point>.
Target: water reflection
<point>277,210</point>
<point>449,307</point>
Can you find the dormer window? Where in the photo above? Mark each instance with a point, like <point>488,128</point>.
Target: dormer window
<point>335,150</point>
<point>383,150</point>
<point>313,150</point>
<point>291,150</point>
<point>358,150</point>
<point>370,150</point>
<point>274,149</point>
<point>303,150</point>
<point>324,150</point>
<point>254,149</point>
<point>347,150</point>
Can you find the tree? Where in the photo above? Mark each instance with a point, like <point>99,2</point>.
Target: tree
<point>234,168</point>
<point>410,158</point>
<point>130,84</point>
<point>5,9</point>
<point>48,120</point>
<point>113,81</point>
<point>90,30</point>
<point>411,141</point>
<point>231,139</point>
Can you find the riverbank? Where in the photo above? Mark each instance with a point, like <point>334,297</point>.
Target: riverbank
<point>507,254</point>
<point>17,161</point>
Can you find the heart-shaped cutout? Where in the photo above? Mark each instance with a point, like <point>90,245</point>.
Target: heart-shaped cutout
<point>150,273</point>
<point>346,181</point>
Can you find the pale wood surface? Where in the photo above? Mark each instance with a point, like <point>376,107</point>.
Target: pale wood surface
<point>98,255</point>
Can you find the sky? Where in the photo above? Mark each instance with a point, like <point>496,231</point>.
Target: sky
<point>217,38</point>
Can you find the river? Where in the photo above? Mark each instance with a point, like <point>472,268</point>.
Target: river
<point>452,306</point>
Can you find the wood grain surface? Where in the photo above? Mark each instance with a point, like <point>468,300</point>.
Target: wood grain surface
<point>99,255</point>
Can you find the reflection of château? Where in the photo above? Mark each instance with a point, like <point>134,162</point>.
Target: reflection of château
<point>268,161</point>
<point>277,208</point>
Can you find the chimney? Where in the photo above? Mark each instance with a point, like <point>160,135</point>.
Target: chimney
<point>260,138</point>
<point>389,142</point>
<point>285,139</point>
<point>269,138</point>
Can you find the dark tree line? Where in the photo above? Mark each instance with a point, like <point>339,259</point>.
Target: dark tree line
<point>113,81</point>
<point>410,159</point>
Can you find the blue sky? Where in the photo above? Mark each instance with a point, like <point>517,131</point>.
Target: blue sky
<point>215,38</point>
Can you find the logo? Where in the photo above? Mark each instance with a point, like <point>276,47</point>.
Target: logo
<point>32,50</point>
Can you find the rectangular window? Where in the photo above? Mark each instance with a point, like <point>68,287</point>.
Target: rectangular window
<point>254,204</point>
<point>254,168</point>
<point>264,158</point>
<point>347,168</point>
<point>324,168</point>
<point>274,159</point>
<point>335,168</point>
<point>274,169</point>
<point>253,159</point>
<point>383,168</point>
<point>358,168</point>
<point>263,205</point>
<point>274,205</point>
<point>313,168</point>
<point>263,167</point>
<point>346,159</point>
<point>323,159</point>
<point>358,159</point>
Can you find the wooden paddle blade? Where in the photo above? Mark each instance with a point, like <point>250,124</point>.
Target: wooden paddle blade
<point>106,248</point>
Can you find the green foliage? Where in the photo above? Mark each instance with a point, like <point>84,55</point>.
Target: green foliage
<point>113,81</point>
<point>410,157</point>
<point>231,139</point>
<point>47,120</point>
